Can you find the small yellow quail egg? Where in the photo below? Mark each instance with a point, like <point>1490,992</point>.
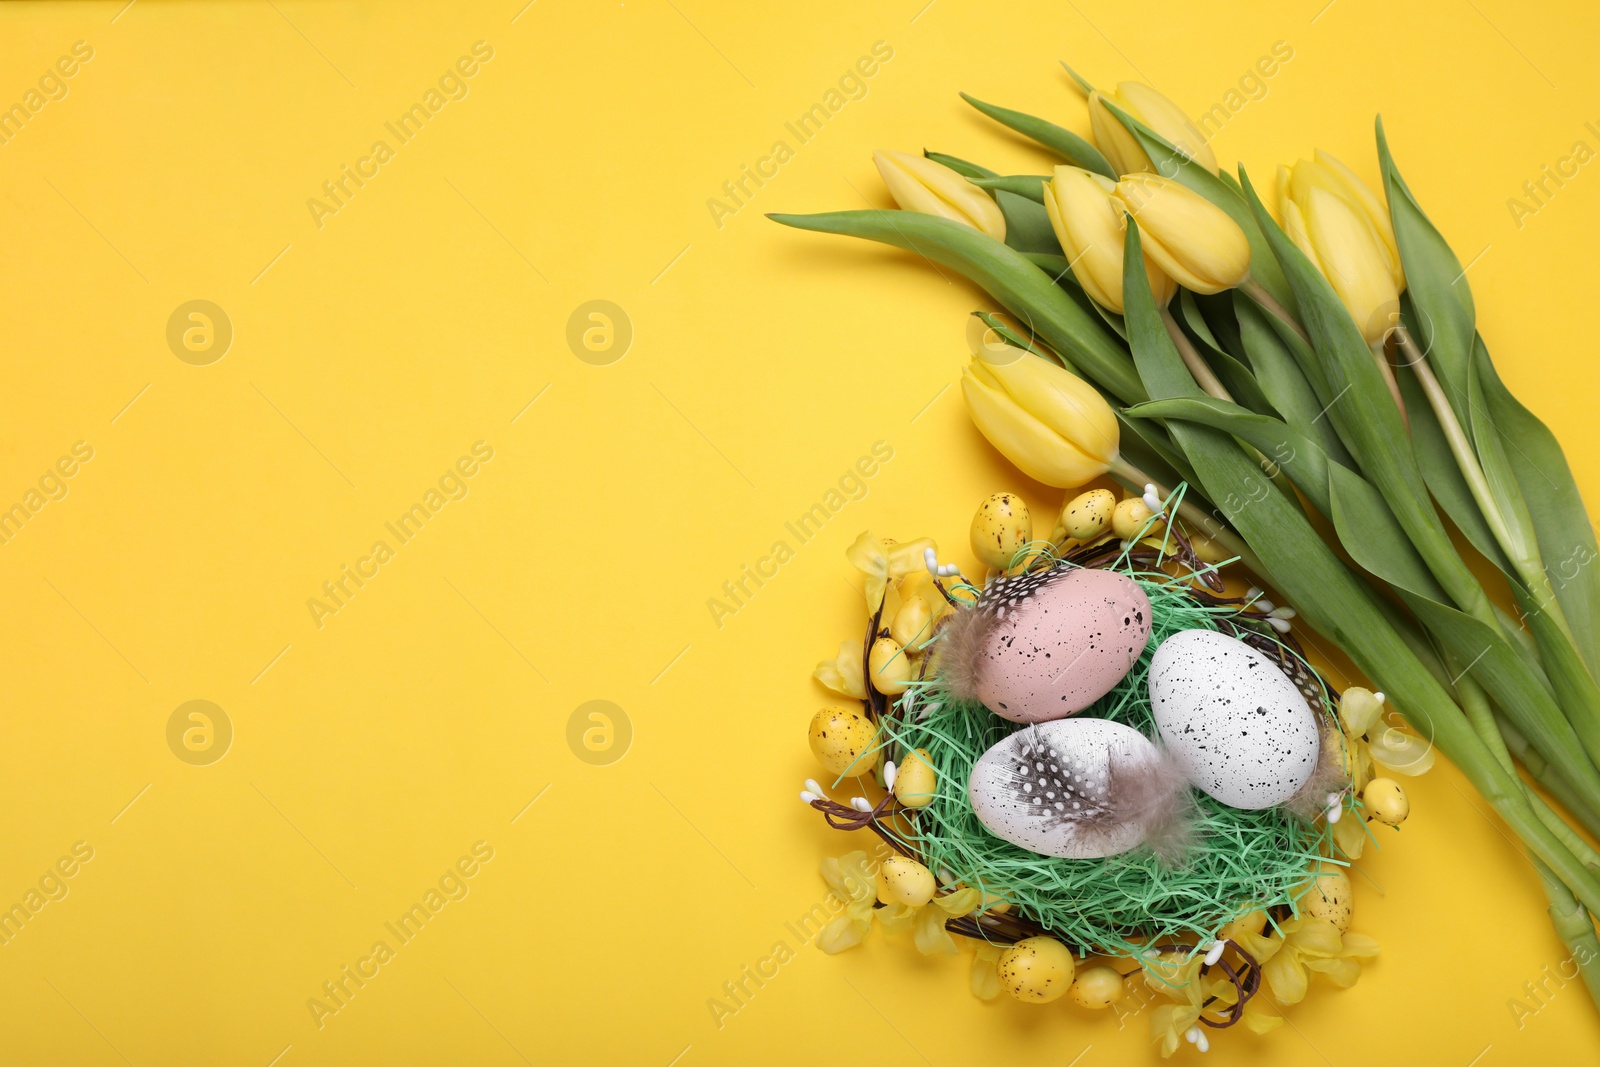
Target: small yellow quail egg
<point>1036,970</point>
<point>1329,898</point>
<point>1096,987</point>
<point>915,780</point>
<point>841,739</point>
<point>1000,528</point>
<point>1129,517</point>
<point>1208,551</point>
<point>890,666</point>
<point>912,625</point>
<point>1087,515</point>
<point>902,880</point>
<point>1386,801</point>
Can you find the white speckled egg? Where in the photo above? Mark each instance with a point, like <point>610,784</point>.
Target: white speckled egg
<point>1053,788</point>
<point>1235,723</point>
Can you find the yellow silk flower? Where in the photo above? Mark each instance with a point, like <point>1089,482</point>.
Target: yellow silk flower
<point>927,921</point>
<point>1371,744</point>
<point>851,879</point>
<point>1306,945</point>
<point>883,559</point>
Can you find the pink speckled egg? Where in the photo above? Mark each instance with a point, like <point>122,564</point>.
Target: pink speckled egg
<point>1047,644</point>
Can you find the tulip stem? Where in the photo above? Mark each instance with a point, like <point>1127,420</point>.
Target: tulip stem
<point>1136,479</point>
<point>1254,290</point>
<point>1521,551</point>
<point>1203,375</point>
<point>1387,371</point>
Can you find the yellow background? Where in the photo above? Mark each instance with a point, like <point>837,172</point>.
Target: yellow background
<point>370,353</point>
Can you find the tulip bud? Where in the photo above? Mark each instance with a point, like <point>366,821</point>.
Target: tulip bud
<point>1187,235</point>
<point>1088,222</point>
<point>1122,148</point>
<point>1049,422</point>
<point>1340,226</point>
<point>919,184</point>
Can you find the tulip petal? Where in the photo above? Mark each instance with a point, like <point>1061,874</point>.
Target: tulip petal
<point>1189,237</point>
<point>920,184</point>
<point>1167,119</point>
<point>1064,402</point>
<point>1040,453</point>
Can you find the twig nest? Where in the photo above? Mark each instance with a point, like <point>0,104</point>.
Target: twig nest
<point>915,780</point>
<point>1000,529</point>
<point>1329,898</point>
<point>905,881</point>
<point>841,739</point>
<point>1241,730</point>
<point>1088,515</point>
<point>1096,987</point>
<point>1045,644</point>
<point>1386,801</point>
<point>1036,970</point>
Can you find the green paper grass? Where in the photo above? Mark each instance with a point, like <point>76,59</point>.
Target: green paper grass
<point>1241,860</point>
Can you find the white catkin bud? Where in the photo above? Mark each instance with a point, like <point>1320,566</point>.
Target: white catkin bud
<point>811,784</point>
<point>888,775</point>
<point>1201,1043</point>
<point>1216,952</point>
<point>1280,625</point>
<point>807,796</point>
<point>860,804</point>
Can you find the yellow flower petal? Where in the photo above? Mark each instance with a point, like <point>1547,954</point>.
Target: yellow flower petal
<point>929,934</point>
<point>1285,977</point>
<point>844,932</point>
<point>866,555</point>
<point>844,673</point>
<point>985,978</point>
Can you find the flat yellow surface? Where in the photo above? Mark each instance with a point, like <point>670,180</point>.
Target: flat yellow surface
<point>411,742</point>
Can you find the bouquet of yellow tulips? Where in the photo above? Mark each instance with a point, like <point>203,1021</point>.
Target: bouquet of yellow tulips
<point>1167,326</point>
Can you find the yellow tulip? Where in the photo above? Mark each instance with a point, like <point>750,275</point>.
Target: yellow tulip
<point>919,184</point>
<point>1088,222</point>
<point>1049,422</point>
<point>1341,227</point>
<point>1164,117</point>
<point>1187,235</point>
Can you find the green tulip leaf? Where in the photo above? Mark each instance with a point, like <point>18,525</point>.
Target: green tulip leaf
<point>1028,185</point>
<point>1566,538</point>
<point>1060,272</point>
<point>1443,474</point>
<point>1027,225</point>
<point>1005,274</point>
<point>1365,415</point>
<point>960,166</point>
<point>1060,140</point>
<point>1233,374</point>
<point>1083,82</point>
<point>1279,445</point>
<point>1435,282</point>
<point>1282,380</point>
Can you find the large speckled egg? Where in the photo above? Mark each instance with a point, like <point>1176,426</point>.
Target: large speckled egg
<point>1058,641</point>
<point>1053,788</point>
<point>1235,723</point>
